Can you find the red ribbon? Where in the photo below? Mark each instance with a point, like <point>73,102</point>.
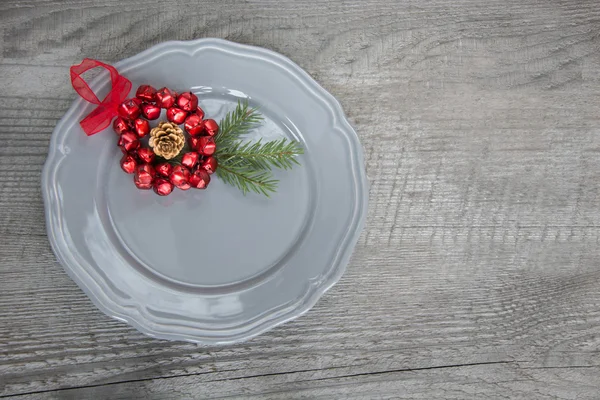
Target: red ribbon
<point>102,115</point>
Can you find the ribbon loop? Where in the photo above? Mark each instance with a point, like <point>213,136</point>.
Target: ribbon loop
<point>102,115</point>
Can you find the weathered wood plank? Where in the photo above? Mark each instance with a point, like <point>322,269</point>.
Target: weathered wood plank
<point>477,275</point>
<point>493,381</point>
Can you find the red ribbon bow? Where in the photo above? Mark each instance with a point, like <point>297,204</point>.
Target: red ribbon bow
<point>102,115</point>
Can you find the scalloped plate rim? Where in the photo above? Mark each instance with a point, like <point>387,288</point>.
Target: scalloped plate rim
<point>135,317</point>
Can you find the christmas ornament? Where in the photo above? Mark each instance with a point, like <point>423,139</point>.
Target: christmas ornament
<point>190,159</point>
<point>165,98</point>
<point>199,179</point>
<point>146,155</point>
<point>194,125</point>
<point>166,140</point>
<point>130,109</point>
<point>187,101</point>
<point>121,126</point>
<point>194,141</point>
<point>209,165</point>
<point>176,115</point>
<point>128,163</point>
<point>150,111</point>
<point>200,112</point>
<point>129,141</point>
<point>206,146</point>
<point>211,127</point>
<point>160,162</point>
<point>162,187</point>
<point>141,127</point>
<point>164,169</point>
<point>146,93</point>
<point>144,176</point>
<point>180,177</point>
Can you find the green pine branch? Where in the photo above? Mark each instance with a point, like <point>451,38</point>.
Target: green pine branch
<point>248,180</point>
<point>236,123</point>
<point>248,165</point>
<point>277,153</point>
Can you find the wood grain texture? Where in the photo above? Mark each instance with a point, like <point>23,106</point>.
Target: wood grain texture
<point>478,273</point>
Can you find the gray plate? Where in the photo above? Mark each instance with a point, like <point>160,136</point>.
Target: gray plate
<point>209,266</point>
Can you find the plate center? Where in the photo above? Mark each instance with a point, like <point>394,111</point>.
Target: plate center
<point>217,236</point>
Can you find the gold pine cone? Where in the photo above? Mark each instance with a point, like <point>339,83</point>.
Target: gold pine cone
<point>167,140</point>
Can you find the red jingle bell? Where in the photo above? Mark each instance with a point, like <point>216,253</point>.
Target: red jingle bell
<point>129,141</point>
<point>176,115</point>
<point>162,187</point>
<point>165,97</point>
<point>141,127</point>
<point>211,127</point>
<point>190,159</point>
<point>180,177</point>
<point>209,165</point>
<point>144,176</point>
<point>146,93</point>
<point>120,125</point>
<point>164,169</point>
<point>128,163</point>
<point>206,146</point>
<point>187,101</point>
<point>146,155</point>
<point>194,124</point>
<point>194,141</point>
<point>130,109</point>
<point>200,112</point>
<point>150,111</point>
<point>200,179</point>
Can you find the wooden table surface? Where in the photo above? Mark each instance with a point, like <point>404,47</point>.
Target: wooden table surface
<point>478,273</point>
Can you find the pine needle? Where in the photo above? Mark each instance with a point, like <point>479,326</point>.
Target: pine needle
<point>277,153</point>
<point>237,123</point>
<point>248,180</point>
<point>248,165</point>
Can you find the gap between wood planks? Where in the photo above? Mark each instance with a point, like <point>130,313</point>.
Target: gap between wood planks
<point>391,371</point>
